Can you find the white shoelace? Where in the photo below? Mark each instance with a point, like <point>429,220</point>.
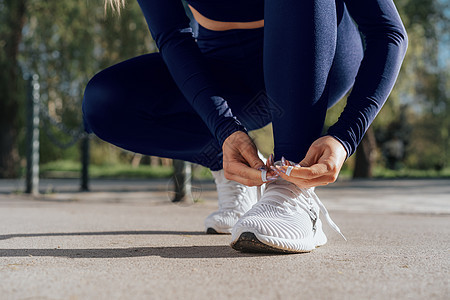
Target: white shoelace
<point>307,195</point>
<point>324,210</point>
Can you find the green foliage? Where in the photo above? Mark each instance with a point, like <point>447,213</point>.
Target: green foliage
<point>71,169</point>
<point>66,43</point>
<point>420,97</point>
<point>381,172</point>
<point>428,145</point>
<point>12,87</point>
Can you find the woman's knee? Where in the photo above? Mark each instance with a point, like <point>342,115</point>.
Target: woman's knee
<point>101,104</point>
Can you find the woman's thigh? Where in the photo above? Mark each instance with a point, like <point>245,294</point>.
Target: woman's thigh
<point>137,106</point>
<point>140,87</point>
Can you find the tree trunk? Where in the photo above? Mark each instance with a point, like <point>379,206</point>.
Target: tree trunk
<point>365,156</point>
<point>11,86</point>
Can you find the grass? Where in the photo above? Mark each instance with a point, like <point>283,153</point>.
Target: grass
<point>71,169</point>
<point>384,173</point>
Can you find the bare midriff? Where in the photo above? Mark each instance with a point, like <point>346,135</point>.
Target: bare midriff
<point>222,26</point>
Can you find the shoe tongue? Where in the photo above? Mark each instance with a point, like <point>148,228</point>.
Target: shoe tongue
<point>219,176</point>
<point>282,187</point>
<point>284,184</point>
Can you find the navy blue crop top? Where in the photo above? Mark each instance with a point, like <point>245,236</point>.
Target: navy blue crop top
<point>377,20</point>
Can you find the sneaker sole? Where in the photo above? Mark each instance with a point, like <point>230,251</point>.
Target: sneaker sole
<point>211,230</point>
<point>248,242</point>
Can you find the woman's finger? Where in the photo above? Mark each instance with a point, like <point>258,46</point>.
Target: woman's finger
<point>239,171</point>
<point>268,161</point>
<point>315,171</point>
<point>249,182</point>
<point>269,176</point>
<point>307,183</point>
<point>250,154</point>
<point>244,181</point>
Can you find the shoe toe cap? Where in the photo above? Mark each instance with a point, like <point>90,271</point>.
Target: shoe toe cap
<point>221,221</point>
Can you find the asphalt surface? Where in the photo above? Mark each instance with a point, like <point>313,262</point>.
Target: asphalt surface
<point>126,240</point>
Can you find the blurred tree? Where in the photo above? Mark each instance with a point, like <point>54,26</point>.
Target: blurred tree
<point>12,19</point>
<point>66,43</point>
<point>395,137</point>
<point>423,85</point>
<point>365,156</point>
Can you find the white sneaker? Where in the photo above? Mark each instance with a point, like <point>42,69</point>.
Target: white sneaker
<point>235,200</point>
<point>286,219</point>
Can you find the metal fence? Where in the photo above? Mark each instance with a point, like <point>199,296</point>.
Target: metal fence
<point>37,111</point>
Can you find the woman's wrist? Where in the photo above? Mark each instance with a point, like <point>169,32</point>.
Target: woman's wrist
<point>342,143</point>
<point>231,126</point>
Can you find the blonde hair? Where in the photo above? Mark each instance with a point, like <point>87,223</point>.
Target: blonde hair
<point>115,5</point>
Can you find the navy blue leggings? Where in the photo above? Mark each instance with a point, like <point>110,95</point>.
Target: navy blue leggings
<point>136,104</point>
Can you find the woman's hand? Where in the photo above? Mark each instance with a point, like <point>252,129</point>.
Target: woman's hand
<point>321,165</point>
<point>240,159</point>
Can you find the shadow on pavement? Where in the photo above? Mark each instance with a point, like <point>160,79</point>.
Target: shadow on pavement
<point>139,232</point>
<point>164,252</point>
<point>224,251</point>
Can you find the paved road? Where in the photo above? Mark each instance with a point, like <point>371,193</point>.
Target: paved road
<point>126,240</point>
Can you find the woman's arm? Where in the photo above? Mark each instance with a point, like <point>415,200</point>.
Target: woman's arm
<point>170,29</point>
<point>385,47</point>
